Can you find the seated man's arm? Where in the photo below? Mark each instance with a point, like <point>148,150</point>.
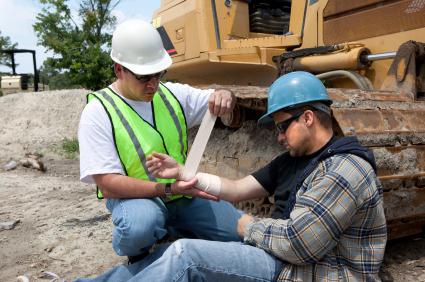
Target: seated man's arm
<point>320,216</point>
<point>164,166</point>
<point>243,189</point>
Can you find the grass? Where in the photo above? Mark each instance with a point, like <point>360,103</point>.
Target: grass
<point>70,148</point>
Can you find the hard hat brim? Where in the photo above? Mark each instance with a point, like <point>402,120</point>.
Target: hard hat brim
<point>145,69</point>
<point>265,120</point>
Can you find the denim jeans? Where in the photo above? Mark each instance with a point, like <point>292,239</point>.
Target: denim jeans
<point>199,260</point>
<point>139,223</point>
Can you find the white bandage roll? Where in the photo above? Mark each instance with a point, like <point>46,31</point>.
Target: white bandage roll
<point>198,147</point>
<point>208,183</point>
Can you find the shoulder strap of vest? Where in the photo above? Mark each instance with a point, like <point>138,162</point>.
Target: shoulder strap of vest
<point>171,122</point>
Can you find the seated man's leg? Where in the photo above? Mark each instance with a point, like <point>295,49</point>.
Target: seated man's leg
<point>125,272</point>
<point>138,224</point>
<point>200,260</point>
<point>203,219</point>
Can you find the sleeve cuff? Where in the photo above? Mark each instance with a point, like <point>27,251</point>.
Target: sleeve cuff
<point>250,235</point>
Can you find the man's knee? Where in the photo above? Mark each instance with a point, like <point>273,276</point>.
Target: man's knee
<point>136,229</point>
<point>189,249</point>
<point>142,228</point>
<point>132,240</point>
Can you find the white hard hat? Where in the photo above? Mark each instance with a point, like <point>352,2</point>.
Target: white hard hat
<point>137,46</point>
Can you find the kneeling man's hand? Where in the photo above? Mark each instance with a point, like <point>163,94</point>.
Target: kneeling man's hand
<point>242,222</point>
<point>182,187</point>
<point>163,166</point>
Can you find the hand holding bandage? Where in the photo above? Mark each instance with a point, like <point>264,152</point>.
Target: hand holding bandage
<point>164,166</point>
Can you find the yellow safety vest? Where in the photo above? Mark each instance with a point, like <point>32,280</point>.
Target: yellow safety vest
<point>136,138</point>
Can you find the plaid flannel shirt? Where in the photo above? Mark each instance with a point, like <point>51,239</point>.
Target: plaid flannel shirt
<point>337,229</point>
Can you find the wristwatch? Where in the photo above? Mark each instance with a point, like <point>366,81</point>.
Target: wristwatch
<point>167,190</point>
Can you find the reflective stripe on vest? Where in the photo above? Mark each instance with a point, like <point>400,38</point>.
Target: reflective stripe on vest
<point>135,138</point>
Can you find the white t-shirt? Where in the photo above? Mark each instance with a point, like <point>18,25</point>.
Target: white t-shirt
<point>98,154</point>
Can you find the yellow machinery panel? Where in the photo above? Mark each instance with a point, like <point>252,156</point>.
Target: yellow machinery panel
<point>11,82</point>
<point>370,54</point>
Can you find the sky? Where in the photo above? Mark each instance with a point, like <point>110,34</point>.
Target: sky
<point>18,16</point>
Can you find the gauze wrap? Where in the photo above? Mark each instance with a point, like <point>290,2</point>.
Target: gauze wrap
<point>208,183</point>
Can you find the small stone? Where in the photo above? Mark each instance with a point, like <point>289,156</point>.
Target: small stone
<point>8,225</point>
<point>33,163</point>
<point>90,234</point>
<point>22,278</point>
<point>10,165</point>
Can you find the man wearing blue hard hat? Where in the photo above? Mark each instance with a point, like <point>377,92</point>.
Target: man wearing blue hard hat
<point>328,223</point>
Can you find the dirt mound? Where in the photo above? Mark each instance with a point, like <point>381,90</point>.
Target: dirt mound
<point>37,121</point>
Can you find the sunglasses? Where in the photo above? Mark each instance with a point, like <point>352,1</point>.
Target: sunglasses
<point>283,125</point>
<point>146,78</point>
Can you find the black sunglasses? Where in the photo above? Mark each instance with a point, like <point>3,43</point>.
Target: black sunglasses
<point>146,78</point>
<point>283,125</point>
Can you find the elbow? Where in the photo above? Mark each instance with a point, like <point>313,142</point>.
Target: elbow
<point>305,261</point>
<point>103,183</point>
<point>105,193</point>
<point>292,251</point>
<point>296,259</point>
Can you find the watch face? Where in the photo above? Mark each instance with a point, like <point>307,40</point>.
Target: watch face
<point>167,190</point>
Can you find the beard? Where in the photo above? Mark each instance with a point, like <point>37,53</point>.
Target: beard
<point>298,149</point>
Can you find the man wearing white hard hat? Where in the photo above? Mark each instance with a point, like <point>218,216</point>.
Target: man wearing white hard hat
<point>132,118</point>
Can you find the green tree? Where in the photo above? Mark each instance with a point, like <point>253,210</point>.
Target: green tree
<point>54,78</point>
<point>5,44</point>
<point>80,46</point>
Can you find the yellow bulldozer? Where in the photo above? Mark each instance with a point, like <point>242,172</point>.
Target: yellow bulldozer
<point>369,53</point>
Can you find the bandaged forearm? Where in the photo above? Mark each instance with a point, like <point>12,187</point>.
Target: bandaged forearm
<point>208,183</point>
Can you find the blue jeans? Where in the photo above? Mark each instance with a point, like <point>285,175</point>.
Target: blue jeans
<point>199,260</point>
<point>139,223</point>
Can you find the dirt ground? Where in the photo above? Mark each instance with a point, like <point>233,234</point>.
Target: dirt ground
<point>62,227</point>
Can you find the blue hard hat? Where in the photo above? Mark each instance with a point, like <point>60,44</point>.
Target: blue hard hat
<point>293,90</point>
